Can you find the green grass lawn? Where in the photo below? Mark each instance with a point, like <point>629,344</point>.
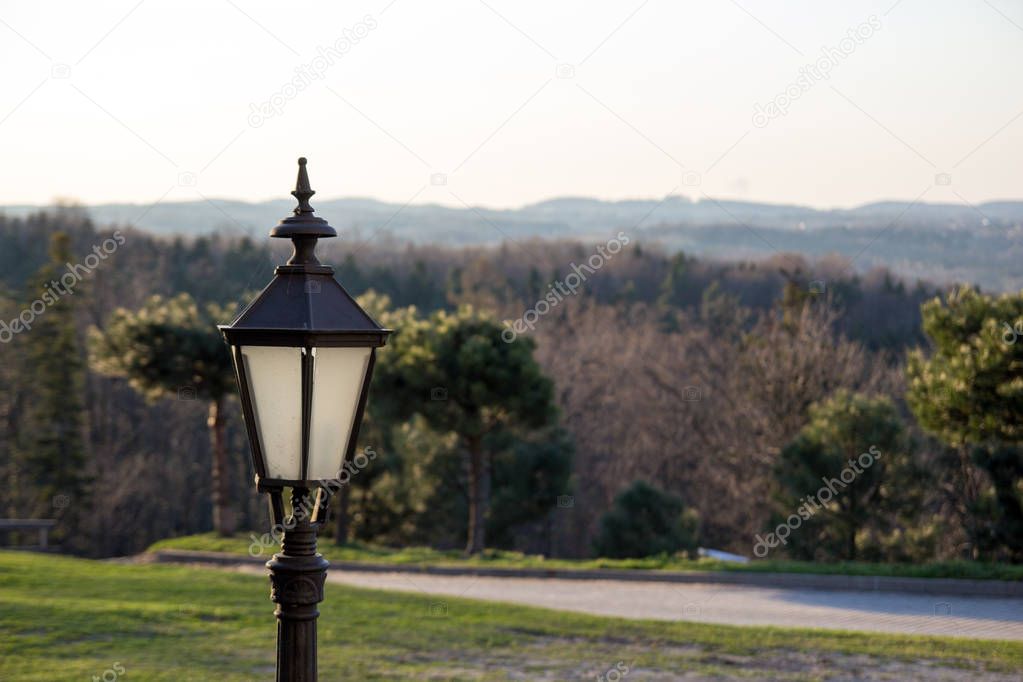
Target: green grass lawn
<point>240,544</point>
<point>72,619</point>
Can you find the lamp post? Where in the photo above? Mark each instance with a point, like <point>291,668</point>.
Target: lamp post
<point>303,353</point>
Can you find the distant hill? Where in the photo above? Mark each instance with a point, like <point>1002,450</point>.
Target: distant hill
<point>941,242</point>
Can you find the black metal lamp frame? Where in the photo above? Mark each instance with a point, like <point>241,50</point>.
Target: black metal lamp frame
<point>302,307</point>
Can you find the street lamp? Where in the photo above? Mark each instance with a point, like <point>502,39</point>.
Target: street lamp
<point>303,353</point>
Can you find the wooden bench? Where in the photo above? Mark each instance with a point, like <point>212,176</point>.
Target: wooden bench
<point>42,526</point>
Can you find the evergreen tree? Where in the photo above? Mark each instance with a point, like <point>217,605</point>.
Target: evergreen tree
<point>969,393</point>
<point>172,348</point>
<point>53,455</point>
<point>646,521</point>
<point>674,290</point>
<point>843,478</point>
<point>457,371</point>
<point>528,476</point>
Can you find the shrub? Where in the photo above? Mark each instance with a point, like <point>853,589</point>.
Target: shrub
<point>645,521</point>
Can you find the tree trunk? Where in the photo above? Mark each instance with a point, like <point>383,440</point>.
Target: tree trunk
<point>343,519</point>
<point>851,540</point>
<point>478,498</point>
<point>223,513</point>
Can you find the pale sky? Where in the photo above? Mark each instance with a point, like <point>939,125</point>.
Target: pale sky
<point>506,103</point>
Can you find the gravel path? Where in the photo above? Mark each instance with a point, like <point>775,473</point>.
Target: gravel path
<point>980,617</point>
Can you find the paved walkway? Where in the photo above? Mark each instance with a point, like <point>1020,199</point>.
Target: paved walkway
<point>981,617</point>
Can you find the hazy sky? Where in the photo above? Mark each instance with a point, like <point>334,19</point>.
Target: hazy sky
<point>503,103</point>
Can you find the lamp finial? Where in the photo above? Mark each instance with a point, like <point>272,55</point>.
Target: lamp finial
<point>302,190</point>
<point>303,225</point>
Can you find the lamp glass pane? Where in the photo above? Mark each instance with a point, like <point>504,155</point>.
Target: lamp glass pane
<point>338,375</point>
<point>275,381</point>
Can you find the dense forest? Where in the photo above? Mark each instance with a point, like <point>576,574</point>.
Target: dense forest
<point>721,392</point>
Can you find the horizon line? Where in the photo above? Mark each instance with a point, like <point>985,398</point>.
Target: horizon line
<point>70,202</point>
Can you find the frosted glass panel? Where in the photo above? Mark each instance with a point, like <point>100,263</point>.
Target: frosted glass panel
<point>338,374</point>
<point>275,381</point>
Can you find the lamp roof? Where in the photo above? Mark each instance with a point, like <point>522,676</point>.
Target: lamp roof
<point>306,302</point>
<point>303,304</point>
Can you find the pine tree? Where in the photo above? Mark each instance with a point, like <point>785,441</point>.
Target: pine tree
<point>171,348</point>
<point>968,393</point>
<point>52,453</point>
<point>457,371</point>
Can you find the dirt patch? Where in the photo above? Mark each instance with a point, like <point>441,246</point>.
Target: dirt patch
<point>552,659</point>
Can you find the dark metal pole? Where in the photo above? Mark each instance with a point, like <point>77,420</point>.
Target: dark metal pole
<point>297,574</point>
